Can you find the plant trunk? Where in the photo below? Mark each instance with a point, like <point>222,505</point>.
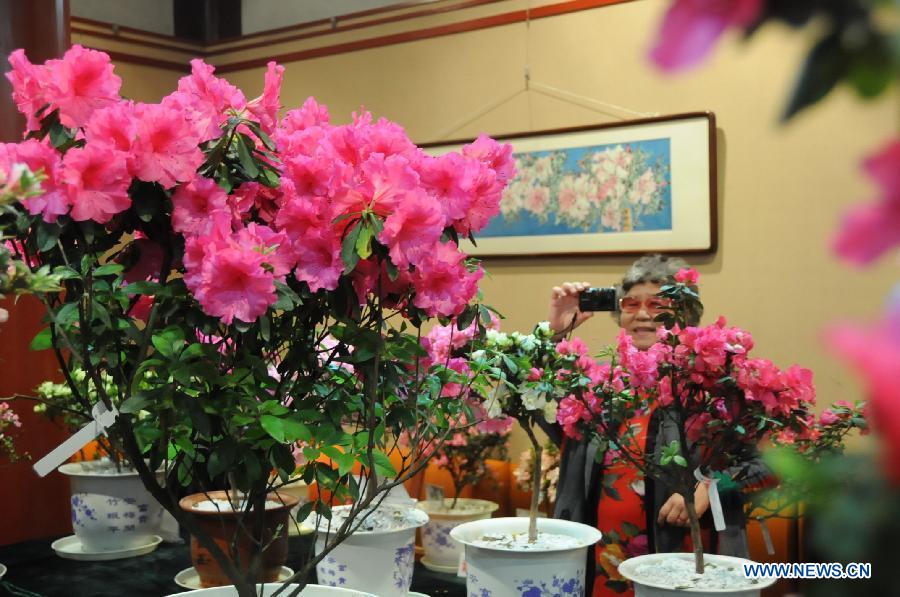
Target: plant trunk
<point>535,494</point>
<point>696,539</point>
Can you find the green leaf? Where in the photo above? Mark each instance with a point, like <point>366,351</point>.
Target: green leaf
<point>273,426</point>
<point>383,464</point>
<point>348,249</point>
<point>824,67</point>
<point>295,430</point>
<point>42,340</point>
<point>364,242</point>
<point>679,460</point>
<point>245,158</point>
<point>220,459</point>
<point>135,404</point>
<point>47,235</point>
<point>108,269</point>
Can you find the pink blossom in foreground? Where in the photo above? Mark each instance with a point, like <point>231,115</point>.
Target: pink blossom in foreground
<point>874,352</point>
<point>319,262</point>
<point>113,127</point>
<point>97,183</point>
<point>82,82</point>
<point>39,156</point>
<point>235,285</point>
<point>312,113</point>
<point>166,149</point>
<point>443,283</point>
<point>205,99</point>
<point>691,28</point>
<point>265,107</point>
<point>570,414</point>
<point>871,229</point>
<point>30,85</point>
<point>412,230</point>
<point>193,204</point>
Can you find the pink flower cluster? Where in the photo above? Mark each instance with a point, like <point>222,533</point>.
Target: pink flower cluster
<point>871,229</point>
<point>874,352</point>
<point>362,179</point>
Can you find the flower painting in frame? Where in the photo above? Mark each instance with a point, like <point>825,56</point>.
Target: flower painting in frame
<point>628,187</point>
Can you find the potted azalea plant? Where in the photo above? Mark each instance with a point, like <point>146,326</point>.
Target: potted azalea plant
<point>717,403</point>
<point>234,274</point>
<point>464,455</point>
<point>530,373</point>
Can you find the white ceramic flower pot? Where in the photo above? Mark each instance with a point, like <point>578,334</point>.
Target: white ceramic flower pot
<point>268,589</point>
<point>111,510</point>
<point>380,562</point>
<point>498,572</point>
<point>644,588</point>
<point>441,551</point>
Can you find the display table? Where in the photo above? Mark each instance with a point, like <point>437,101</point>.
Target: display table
<point>34,567</point>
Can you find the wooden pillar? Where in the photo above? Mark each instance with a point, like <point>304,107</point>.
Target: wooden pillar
<point>33,508</point>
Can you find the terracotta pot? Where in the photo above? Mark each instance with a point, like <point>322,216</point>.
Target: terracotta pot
<point>222,526</point>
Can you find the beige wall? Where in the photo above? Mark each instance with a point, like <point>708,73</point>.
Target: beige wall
<point>781,189</point>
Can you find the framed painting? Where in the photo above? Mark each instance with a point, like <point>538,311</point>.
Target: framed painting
<point>633,187</point>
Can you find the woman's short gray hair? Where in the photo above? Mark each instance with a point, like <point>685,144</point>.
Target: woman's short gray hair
<point>650,269</point>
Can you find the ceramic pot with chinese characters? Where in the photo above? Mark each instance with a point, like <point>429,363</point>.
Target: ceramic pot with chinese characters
<point>501,561</point>
<point>378,557</point>
<point>442,553</point>
<point>111,509</point>
<point>221,515</point>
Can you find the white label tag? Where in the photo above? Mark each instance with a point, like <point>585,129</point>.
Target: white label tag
<point>461,566</point>
<point>767,537</point>
<point>102,419</point>
<point>715,504</point>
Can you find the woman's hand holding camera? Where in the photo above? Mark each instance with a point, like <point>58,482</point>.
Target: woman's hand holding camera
<point>564,312</point>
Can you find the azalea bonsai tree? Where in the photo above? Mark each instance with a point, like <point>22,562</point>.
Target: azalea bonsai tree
<point>249,281</point>
<point>531,374</point>
<point>722,402</point>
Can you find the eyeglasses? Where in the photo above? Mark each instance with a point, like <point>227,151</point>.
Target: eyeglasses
<point>653,304</point>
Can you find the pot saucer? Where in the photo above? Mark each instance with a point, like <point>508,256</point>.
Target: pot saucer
<point>437,567</point>
<point>414,594</point>
<point>2,570</point>
<point>71,548</point>
<point>190,579</point>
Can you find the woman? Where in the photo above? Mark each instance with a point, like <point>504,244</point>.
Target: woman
<point>636,515</point>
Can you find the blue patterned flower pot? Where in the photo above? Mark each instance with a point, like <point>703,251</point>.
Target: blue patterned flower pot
<point>111,509</point>
<point>716,564</point>
<point>380,562</point>
<point>441,551</point>
<point>268,589</point>
<point>501,572</point>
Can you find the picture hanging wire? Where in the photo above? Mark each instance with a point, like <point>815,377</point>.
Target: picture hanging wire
<point>606,108</point>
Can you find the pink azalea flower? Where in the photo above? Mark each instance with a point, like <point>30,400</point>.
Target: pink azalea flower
<point>535,374</point>
<point>687,276</point>
<point>369,279</point>
<point>499,425</point>
<point>828,417</point>
<point>141,308</point>
<point>30,85</point>
<point>309,175</point>
<point>449,178</point>
<point>39,156</point>
<point>575,346</point>
<point>166,148</point>
<point>319,262</point>
<point>385,182</point>
<point>236,285</point>
<point>412,229</point>
<point>497,156</point>
<point>194,202</point>
<point>691,28</point>
<point>570,414</point>
<point>265,107</point>
<point>487,191</point>
<point>206,100</point>
<point>443,283</point>
<point>874,352</point>
<point>388,138</point>
<point>80,83</point>
<point>312,113</point>
<point>870,230</point>
<point>112,126</point>
<point>97,181</point>
<point>273,246</point>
